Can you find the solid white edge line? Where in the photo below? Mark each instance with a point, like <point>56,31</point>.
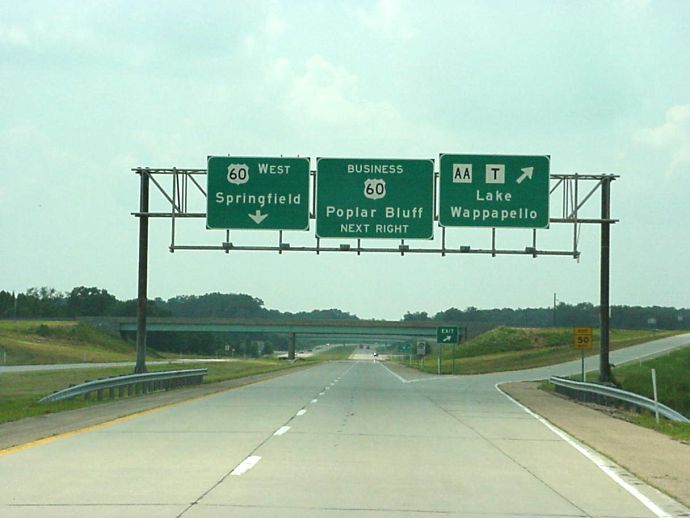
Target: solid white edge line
<point>281,430</point>
<point>592,456</point>
<point>245,465</point>
<point>301,412</point>
<point>403,380</point>
<point>415,380</point>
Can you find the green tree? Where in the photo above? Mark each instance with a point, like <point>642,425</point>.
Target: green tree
<point>92,302</point>
<point>6,304</point>
<point>417,315</point>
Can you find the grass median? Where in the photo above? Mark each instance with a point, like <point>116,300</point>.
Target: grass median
<point>22,390</point>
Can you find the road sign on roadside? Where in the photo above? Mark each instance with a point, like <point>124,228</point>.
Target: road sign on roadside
<point>258,193</point>
<point>494,191</point>
<point>421,348</point>
<point>582,338</point>
<point>374,198</point>
<point>447,335</point>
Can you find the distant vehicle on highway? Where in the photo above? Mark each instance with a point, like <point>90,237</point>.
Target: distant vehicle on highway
<point>375,354</point>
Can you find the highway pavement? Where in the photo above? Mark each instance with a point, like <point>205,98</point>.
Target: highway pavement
<point>354,438</point>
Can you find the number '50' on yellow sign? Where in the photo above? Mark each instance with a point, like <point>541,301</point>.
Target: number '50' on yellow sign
<point>582,338</point>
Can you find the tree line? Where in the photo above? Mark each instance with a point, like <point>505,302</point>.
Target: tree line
<point>85,301</point>
<point>47,302</point>
<point>567,315</point>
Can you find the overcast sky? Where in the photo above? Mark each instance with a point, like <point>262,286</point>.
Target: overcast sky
<point>93,89</point>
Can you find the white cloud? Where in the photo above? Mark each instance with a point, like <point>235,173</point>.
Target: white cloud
<point>274,25</point>
<point>14,36</point>
<point>672,137</point>
<point>325,104</point>
<point>387,18</point>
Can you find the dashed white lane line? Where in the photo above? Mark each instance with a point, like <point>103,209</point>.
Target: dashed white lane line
<point>314,400</point>
<point>281,430</point>
<point>245,465</point>
<point>328,388</point>
<point>301,412</point>
<point>322,393</point>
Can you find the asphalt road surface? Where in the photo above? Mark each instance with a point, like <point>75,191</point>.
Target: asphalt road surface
<point>342,439</point>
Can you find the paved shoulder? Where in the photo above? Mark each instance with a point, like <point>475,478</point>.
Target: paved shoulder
<point>653,457</point>
<point>32,429</point>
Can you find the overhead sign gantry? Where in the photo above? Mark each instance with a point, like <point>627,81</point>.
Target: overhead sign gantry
<point>379,199</point>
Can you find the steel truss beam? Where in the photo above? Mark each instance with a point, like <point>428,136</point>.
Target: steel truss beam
<point>179,194</point>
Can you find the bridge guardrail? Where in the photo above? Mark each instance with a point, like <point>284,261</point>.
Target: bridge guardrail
<point>132,384</point>
<point>603,394</point>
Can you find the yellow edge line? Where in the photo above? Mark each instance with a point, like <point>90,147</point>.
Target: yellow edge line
<point>72,433</point>
<point>104,424</point>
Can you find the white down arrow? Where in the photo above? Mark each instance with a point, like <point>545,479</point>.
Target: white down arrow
<point>258,217</point>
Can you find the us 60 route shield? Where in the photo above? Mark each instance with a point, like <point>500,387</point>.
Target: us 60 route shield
<point>374,198</point>
<point>258,193</point>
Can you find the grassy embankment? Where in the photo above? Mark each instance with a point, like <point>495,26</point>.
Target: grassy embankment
<point>506,348</point>
<point>673,389</point>
<point>37,342</point>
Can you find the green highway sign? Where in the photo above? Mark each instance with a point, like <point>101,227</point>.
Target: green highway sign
<point>374,198</point>
<point>494,191</point>
<point>258,193</point>
<point>447,335</point>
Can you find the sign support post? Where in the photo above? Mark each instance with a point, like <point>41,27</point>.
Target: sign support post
<point>583,366</point>
<point>140,366</point>
<point>604,365</point>
<point>453,361</point>
<point>582,340</point>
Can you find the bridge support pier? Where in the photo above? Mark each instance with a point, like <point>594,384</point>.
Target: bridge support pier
<point>291,346</point>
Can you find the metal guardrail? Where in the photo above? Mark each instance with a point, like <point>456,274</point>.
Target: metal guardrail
<point>606,395</point>
<point>131,384</point>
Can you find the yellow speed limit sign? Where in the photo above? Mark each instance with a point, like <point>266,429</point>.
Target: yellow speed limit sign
<point>582,337</point>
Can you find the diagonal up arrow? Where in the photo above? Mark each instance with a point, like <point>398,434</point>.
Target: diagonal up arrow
<point>526,173</point>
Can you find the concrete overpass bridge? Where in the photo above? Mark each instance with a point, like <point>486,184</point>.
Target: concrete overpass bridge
<point>365,329</point>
